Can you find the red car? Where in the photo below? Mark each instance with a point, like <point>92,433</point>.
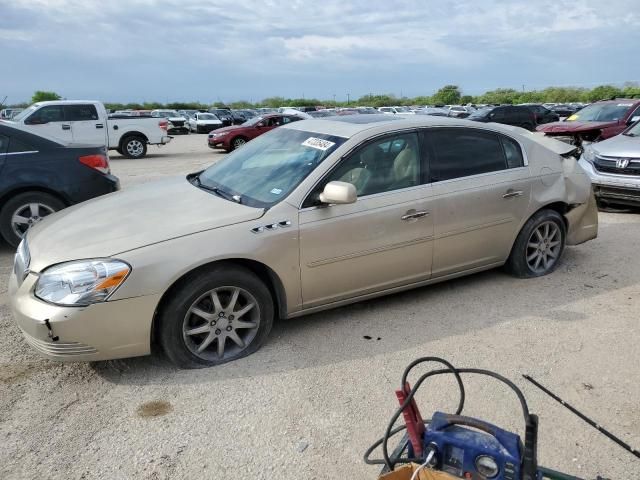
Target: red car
<point>235,136</point>
<point>598,121</point>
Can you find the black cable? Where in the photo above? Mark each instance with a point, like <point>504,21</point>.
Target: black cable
<point>390,463</point>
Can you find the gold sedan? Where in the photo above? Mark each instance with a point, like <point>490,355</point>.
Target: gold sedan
<point>312,215</point>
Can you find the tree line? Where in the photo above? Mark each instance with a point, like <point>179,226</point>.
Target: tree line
<point>447,95</point>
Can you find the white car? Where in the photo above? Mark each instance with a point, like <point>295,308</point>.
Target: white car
<point>177,123</point>
<point>395,110</point>
<point>87,122</point>
<point>204,122</point>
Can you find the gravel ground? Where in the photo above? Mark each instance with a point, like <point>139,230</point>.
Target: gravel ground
<point>321,391</point>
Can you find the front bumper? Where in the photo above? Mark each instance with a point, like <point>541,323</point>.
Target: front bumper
<point>622,189</point>
<point>104,331</point>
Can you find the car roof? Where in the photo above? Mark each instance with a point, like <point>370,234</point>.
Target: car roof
<point>347,126</point>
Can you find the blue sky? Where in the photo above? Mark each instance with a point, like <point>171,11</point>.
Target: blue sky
<point>145,50</point>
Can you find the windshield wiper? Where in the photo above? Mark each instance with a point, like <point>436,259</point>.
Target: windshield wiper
<point>217,190</point>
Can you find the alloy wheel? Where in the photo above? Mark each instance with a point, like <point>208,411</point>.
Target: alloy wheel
<point>543,247</point>
<point>28,215</point>
<point>239,142</point>
<point>221,323</point>
<point>135,148</point>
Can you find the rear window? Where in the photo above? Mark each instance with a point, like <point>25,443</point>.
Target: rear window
<point>78,113</point>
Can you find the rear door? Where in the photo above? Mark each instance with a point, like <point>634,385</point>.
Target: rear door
<point>481,190</point>
<point>86,125</point>
<point>4,145</point>
<point>50,122</point>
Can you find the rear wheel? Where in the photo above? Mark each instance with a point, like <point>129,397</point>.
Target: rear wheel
<point>215,317</point>
<point>134,147</point>
<point>539,245</point>
<point>23,211</point>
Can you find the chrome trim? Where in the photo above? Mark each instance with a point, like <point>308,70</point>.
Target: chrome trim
<point>511,194</point>
<point>20,153</point>
<point>412,216</point>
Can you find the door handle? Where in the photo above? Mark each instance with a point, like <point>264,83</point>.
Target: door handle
<point>512,193</point>
<point>411,216</point>
<point>66,127</point>
<point>99,125</point>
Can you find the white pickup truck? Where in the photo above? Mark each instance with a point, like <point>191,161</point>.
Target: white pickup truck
<point>87,122</point>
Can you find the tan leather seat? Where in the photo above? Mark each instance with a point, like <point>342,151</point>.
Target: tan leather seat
<point>405,169</point>
<point>359,177</point>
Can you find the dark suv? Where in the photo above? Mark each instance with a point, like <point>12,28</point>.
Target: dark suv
<point>39,176</point>
<point>507,114</point>
<point>542,114</point>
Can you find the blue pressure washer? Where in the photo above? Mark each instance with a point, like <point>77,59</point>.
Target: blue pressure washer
<point>465,447</point>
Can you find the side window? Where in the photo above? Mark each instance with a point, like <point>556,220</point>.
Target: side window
<point>51,113</point>
<point>462,152</point>
<point>274,122</point>
<point>79,113</point>
<point>381,166</point>
<point>512,153</point>
<point>17,146</point>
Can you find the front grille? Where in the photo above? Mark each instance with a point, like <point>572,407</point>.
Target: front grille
<point>628,194</point>
<point>59,349</point>
<point>609,165</point>
<point>177,123</point>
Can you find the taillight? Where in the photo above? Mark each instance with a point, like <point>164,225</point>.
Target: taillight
<point>163,124</point>
<point>97,162</point>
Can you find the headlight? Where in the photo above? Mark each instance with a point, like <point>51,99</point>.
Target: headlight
<point>487,466</point>
<point>589,154</point>
<point>81,283</point>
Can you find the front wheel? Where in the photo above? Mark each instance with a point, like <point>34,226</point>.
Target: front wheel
<point>23,211</point>
<point>539,245</point>
<point>215,317</point>
<point>238,142</point>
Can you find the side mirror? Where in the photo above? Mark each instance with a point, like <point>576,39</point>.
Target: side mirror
<point>338,193</point>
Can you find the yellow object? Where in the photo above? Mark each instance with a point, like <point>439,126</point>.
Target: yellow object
<point>406,471</point>
<point>573,117</point>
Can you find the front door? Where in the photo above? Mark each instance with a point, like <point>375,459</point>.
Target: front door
<point>382,240</point>
<point>481,189</point>
<point>50,122</point>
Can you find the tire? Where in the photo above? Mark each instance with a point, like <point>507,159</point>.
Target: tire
<point>212,323</point>
<point>119,150</point>
<point>237,143</point>
<point>537,254</point>
<point>134,146</point>
<point>22,206</point>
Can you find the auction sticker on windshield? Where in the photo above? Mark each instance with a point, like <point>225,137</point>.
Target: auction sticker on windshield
<point>318,143</point>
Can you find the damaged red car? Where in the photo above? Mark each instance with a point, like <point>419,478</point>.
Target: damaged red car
<point>598,121</point>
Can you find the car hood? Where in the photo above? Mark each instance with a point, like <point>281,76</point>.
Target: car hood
<point>573,126</point>
<point>619,146</point>
<point>206,122</point>
<point>130,219</point>
<point>177,119</point>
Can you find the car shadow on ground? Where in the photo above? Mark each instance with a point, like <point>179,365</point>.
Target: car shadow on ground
<point>412,318</point>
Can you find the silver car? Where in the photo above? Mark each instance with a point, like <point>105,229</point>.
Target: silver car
<point>309,216</point>
<point>614,168</point>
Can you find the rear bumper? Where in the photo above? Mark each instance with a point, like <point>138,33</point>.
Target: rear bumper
<point>104,331</point>
<point>623,189</point>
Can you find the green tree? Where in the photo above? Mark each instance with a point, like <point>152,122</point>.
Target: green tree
<point>448,95</point>
<point>604,92</point>
<point>42,96</point>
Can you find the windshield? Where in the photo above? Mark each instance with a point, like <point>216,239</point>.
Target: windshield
<point>206,116</point>
<point>634,131</point>
<point>268,168</point>
<point>481,113</point>
<point>253,121</point>
<point>602,112</point>
<point>24,114</point>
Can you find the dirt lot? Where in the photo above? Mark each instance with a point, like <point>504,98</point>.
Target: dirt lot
<point>312,400</point>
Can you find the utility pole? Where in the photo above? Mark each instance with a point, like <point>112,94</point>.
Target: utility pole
<point>334,99</point>
<point>348,99</point>
<point>523,88</point>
